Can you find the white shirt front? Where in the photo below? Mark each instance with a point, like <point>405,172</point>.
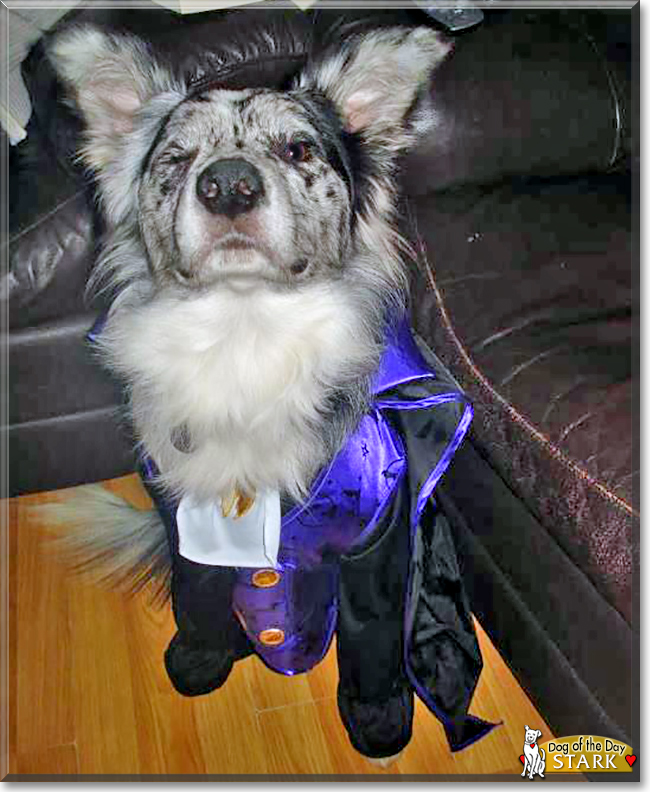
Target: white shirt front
<point>253,540</point>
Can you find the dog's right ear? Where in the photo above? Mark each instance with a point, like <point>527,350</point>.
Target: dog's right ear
<point>110,78</point>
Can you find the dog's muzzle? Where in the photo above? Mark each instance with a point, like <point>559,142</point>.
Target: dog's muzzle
<point>230,187</point>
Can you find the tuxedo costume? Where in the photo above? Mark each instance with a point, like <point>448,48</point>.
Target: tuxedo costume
<point>367,557</point>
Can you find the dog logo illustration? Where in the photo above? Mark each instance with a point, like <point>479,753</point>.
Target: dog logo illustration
<point>534,756</point>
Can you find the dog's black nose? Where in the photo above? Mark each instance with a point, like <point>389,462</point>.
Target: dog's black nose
<point>230,187</point>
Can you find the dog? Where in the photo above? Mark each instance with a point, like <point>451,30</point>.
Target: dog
<point>534,756</point>
<point>253,265</point>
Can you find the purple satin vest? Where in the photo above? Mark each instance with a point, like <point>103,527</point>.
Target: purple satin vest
<point>290,624</point>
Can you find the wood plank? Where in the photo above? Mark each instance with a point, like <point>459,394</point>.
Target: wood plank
<point>166,724</point>
<point>42,637</point>
<point>230,734</point>
<point>106,722</point>
<point>501,699</point>
<point>295,741</point>
<point>56,760</point>
<point>271,690</point>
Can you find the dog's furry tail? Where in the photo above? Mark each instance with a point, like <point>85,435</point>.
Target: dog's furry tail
<point>105,538</point>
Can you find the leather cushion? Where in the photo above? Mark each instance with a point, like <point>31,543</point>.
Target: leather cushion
<point>529,301</point>
<point>50,259</point>
<point>53,372</point>
<point>66,450</point>
<point>537,93</point>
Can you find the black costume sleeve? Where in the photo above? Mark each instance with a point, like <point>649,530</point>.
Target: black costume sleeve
<point>374,696</point>
<point>442,656</point>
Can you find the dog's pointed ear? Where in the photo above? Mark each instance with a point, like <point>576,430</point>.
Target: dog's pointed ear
<point>110,77</point>
<point>526,727</point>
<point>375,78</point>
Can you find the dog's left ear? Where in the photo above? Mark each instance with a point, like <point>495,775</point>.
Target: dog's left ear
<point>375,79</point>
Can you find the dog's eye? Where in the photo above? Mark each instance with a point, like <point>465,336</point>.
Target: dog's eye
<point>176,157</point>
<point>297,151</point>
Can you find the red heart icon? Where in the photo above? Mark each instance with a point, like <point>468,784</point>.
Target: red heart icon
<point>522,758</point>
<point>631,759</point>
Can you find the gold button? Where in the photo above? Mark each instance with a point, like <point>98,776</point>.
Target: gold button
<point>266,578</point>
<point>274,636</point>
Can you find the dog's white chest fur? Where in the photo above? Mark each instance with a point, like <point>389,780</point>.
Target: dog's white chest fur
<point>244,374</point>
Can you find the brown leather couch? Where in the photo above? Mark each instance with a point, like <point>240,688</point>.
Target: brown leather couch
<point>522,206</point>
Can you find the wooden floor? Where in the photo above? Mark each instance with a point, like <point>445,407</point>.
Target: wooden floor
<point>88,693</point>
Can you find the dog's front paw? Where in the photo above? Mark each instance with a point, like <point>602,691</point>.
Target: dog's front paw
<point>196,670</point>
<point>379,730</point>
<point>384,761</point>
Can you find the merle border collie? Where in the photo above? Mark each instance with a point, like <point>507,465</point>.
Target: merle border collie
<point>252,260</point>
